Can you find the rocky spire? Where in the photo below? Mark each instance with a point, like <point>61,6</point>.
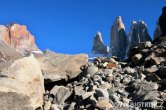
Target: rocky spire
<point>98,45</point>
<point>118,38</point>
<point>138,33</point>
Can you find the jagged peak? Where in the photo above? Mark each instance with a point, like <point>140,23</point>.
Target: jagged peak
<point>17,36</point>
<point>119,23</point>
<point>98,36</point>
<point>134,22</point>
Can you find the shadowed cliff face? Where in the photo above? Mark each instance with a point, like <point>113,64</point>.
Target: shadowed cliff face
<point>138,33</point>
<point>118,39</point>
<point>18,37</point>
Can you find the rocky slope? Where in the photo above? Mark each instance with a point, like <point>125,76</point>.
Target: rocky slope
<point>110,84</point>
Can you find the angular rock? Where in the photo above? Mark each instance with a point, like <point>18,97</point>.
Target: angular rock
<point>152,69</point>
<point>129,70</point>
<point>47,105</point>
<point>102,93</point>
<point>137,58</point>
<point>60,66</point>
<point>54,107</point>
<point>60,93</point>
<point>145,91</point>
<point>98,45</point>
<point>153,60</point>
<point>104,105</point>
<point>118,39</point>
<point>144,45</point>
<point>79,91</point>
<point>162,71</point>
<point>71,106</point>
<point>21,85</point>
<point>152,77</point>
<point>92,70</point>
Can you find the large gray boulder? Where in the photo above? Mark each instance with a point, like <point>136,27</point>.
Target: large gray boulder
<point>98,45</point>
<point>21,85</point>
<point>57,67</point>
<point>118,39</point>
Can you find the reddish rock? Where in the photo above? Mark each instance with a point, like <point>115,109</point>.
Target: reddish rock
<point>18,37</point>
<point>111,65</point>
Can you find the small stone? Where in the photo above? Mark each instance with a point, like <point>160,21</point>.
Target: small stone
<point>111,66</point>
<point>105,64</point>
<point>104,105</point>
<point>96,83</point>
<point>150,70</point>
<point>61,93</point>
<point>96,78</point>
<point>129,70</point>
<point>107,72</point>
<point>153,60</point>
<point>112,60</point>
<point>87,95</point>
<point>126,100</point>
<point>94,87</point>
<point>54,107</point>
<point>152,77</point>
<point>148,44</point>
<point>88,75</point>
<point>92,70</point>
<point>137,58</point>
<point>105,86</point>
<point>126,80</point>
<point>72,106</point>
<point>47,105</point>
<point>102,93</point>
<point>78,90</point>
<point>141,76</point>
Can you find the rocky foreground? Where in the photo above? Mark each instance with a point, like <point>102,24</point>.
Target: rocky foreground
<point>109,84</point>
<point>34,80</point>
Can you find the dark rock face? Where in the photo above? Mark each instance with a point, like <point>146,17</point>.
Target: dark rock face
<point>162,21</point>
<point>98,45</point>
<point>118,39</point>
<point>138,33</point>
<point>157,31</point>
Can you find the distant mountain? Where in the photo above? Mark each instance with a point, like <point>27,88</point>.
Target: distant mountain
<point>120,42</point>
<point>98,45</point>
<point>18,37</point>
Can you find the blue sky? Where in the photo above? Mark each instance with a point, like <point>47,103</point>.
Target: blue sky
<point>68,26</point>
